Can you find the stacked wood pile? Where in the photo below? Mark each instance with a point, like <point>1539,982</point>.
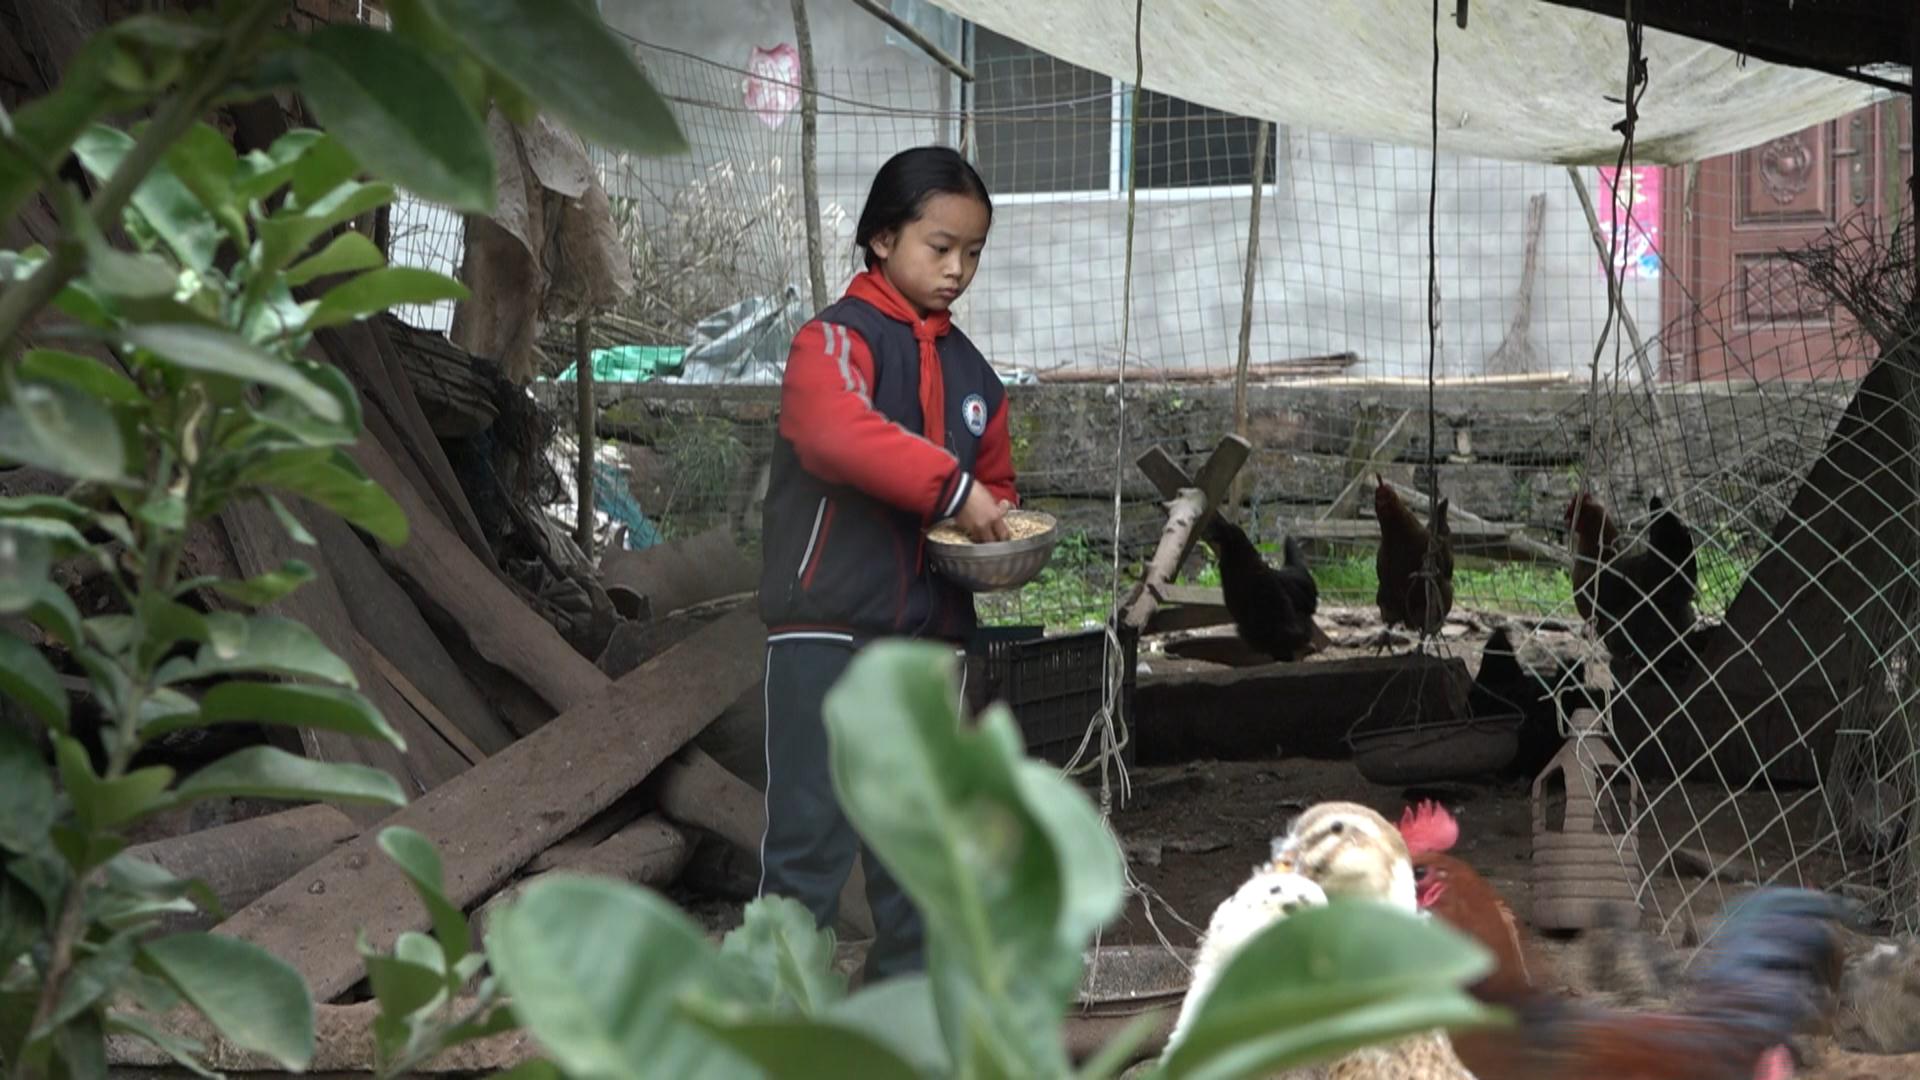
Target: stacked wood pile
<point>525,752</point>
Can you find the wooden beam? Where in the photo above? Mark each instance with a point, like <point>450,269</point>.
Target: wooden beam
<point>1418,502</point>
<point>425,707</point>
<point>243,859</point>
<point>488,821</point>
<point>1183,514</point>
<point>1165,474</point>
<point>907,30</point>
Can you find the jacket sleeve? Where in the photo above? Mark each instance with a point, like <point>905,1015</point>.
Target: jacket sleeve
<point>827,413</point>
<point>993,464</point>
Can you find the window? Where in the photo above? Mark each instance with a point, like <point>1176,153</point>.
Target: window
<point>1043,126</point>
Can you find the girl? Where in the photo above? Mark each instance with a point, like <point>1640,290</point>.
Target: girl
<point>890,420</point>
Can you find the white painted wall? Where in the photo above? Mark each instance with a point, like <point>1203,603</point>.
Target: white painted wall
<point>1343,249</point>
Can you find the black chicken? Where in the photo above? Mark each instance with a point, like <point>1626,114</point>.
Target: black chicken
<point>1272,608</point>
<point>1644,602</point>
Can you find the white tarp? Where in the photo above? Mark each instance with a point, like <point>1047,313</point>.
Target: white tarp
<point>1525,80</point>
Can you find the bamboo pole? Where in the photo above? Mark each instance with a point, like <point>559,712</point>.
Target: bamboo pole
<point>1247,277</point>
<point>809,155</point>
<point>907,30</point>
<point>583,430</point>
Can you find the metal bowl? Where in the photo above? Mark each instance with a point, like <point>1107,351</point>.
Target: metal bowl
<point>996,567</point>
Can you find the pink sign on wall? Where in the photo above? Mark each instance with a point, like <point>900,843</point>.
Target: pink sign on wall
<point>1630,219</point>
<point>773,90</point>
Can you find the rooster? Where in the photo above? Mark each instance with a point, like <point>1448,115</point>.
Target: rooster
<point>1272,608</point>
<point>1773,968</point>
<point>1640,605</point>
<point>1409,595</point>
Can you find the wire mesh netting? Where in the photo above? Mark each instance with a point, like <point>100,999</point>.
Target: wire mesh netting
<point>1755,377</point>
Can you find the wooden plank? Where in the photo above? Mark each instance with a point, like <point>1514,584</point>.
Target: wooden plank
<point>387,618</point>
<point>1192,594</point>
<point>1167,476</point>
<point>447,576</point>
<point>488,821</point>
<point>1388,445</point>
<point>1175,538</point>
<point>651,851</point>
<point>260,544</point>
<point>1464,534</point>
<point>424,706</point>
<point>1186,617</point>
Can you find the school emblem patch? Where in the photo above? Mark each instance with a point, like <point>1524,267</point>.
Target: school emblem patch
<point>974,411</point>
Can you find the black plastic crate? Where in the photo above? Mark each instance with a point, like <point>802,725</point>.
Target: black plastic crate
<point>1053,685</point>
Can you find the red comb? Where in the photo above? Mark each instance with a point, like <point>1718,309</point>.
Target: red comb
<point>1428,828</point>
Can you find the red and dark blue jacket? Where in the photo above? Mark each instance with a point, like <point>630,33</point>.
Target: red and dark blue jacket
<point>859,472</point>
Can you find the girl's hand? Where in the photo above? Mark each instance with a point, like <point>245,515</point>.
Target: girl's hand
<point>983,518</point>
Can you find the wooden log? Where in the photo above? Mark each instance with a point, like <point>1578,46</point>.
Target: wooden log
<point>727,806</point>
<point>488,821</point>
<point>650,852</point>
<point>343,1043</point>
<point>678,575</point>
<point>622,813</point>
<point>244,859</point>
<point>1419,503</point>
<point>1182,515</point>
<point>387,618</point>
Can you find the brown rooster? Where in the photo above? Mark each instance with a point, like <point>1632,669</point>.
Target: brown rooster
<point>1408,595</point>
<point>1594,539</point>
<point>1772,969</point>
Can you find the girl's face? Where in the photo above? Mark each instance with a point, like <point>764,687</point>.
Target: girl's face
<point>932,258</point>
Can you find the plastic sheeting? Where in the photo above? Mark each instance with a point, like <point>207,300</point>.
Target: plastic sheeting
<point>1525,80</point>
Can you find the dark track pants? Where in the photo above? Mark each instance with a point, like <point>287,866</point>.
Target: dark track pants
<point>809,846</point>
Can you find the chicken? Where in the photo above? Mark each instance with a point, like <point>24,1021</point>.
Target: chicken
<point>1272,608</point>
<point>1640,605</point>
<point>1459,896</point>
<point>1349,850</point>
<point>1774,966</point>
<point>1505,687</point>
<point>1772,970</point>
<point>1266,897</point>
<point>1409,595</point>
<point>1594,539</point>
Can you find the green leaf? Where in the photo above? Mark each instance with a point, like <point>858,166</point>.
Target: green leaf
<point>166,205</point>
<point>599,91</point>
<point>593,969</point>
<point>28,678</point>
<point>166,511</point>
<point>264,589</point>
<point>55,427</point>
<point>330,478</point>
<point>26,559</point>
<point>267,644</point>
<point>137,890</point>
<point>323,170</point>
<point>776,1042</point>
<point>27,806</point>
<point>389,103</point>
<point>184,1051</point>
<point>164,624</point>
<point>288,418</point>
<point>1008,861</point>
<point>291,229</point>
<point>260,173</point>
<point>82,1048</point>
<point>323,708</point>
<point>378,290</point>
<point>93,978</point>
<point>343,254</point>
<point>47,126</point>
<point>289,521</point>
<point>266,772</point>
<point>1327,980</point>
<point>255,999</point>
<point>216,352</point>
<point>205,163</point>
<point>417,858</point>
<point>52,610</point>
<point>83,373</point>
<point>900,1013</point>
<point>102,803</point>
<point>403,988</point>
<point>85,849</point>
<point>787,954</point>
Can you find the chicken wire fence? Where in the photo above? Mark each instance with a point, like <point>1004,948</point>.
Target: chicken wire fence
<point>1775,740</point>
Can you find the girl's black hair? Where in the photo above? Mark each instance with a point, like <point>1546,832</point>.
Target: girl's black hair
<point>904,184</point>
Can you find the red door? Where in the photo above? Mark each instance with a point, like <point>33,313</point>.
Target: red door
<point>1732,308</point>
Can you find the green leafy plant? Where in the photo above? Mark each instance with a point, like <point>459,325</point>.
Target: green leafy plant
<point>170,385</point>
<point>1014,872</point>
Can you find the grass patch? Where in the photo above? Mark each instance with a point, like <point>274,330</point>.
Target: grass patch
<point>1072,593</point>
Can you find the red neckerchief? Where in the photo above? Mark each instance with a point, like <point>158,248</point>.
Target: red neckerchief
<point>873,287</point>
